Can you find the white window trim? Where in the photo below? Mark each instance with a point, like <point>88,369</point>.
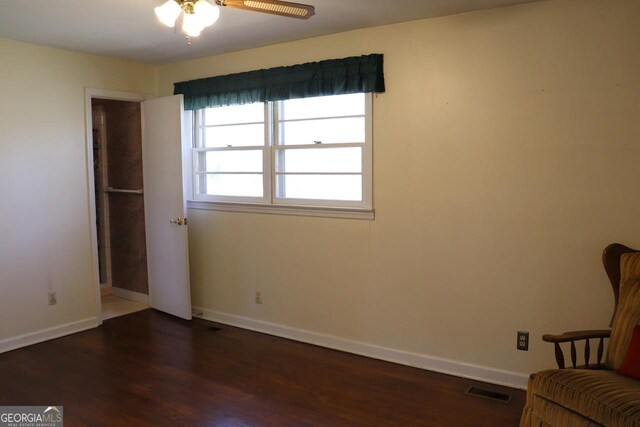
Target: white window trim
<point>270,204</point>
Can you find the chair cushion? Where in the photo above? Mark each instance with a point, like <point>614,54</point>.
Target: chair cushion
<point>603,397</point>
<point>631,365</point>
<point>627,315</point>
<point>549,414</point>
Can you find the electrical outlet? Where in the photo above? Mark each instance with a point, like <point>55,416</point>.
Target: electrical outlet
<point>258,297</point>
<point>53,299</point>
<point>523,341</point>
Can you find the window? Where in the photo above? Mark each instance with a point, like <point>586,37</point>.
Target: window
<point>298,152</point>
<point>230,153</point>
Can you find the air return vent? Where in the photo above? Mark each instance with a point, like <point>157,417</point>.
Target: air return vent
<point>489,394</point>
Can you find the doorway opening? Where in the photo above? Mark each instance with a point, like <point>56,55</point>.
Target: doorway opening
<point>119,206</point>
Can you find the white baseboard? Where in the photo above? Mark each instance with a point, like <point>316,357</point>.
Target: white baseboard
<point>47,334</point>
<point>130,295</point>
<point>423,361</point>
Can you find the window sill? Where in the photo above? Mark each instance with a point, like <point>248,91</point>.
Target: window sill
<point>346,213</point>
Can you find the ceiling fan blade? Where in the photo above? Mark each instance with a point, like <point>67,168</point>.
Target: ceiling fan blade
<point>275,7</point>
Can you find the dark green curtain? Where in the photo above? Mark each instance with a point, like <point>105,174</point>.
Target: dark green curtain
<point>355,74</point>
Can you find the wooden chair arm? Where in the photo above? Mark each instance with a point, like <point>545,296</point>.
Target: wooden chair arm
<point>574,336</point>
<point>577,335</point>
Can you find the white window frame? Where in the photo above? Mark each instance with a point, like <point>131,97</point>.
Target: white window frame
<point>271,204</point>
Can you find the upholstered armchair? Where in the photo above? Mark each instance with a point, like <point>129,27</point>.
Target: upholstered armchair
<point>595,392</point>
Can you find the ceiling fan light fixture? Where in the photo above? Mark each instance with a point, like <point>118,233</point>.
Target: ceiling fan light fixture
<point>196,15</point>
<point>168,13</point>
<point>206,12</point>
<point>192,24</point>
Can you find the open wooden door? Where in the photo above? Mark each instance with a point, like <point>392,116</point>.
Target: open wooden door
<point>165,206</point>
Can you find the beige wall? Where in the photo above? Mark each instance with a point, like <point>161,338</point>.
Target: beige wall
<point>45,228</point>
<point>506,157</point>
<point>506,151</point>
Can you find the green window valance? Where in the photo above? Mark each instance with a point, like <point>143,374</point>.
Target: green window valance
<point>355,74</point>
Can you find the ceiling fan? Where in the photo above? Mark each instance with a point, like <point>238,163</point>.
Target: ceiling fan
<point>199,14</point>
<point>275,7</point>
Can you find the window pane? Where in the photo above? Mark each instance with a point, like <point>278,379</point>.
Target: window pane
<point>327,131</point>
<point>234,136</point>
<point>233,185</point>
<point>322,187</point>
<point>346,159</point>
<point>231,161</point>
<point>248,113</point>
<point>323,106</point>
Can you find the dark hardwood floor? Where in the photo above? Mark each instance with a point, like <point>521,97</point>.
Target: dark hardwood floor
<point>151,369</point>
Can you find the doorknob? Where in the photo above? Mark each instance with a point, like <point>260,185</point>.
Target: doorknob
<point>179,221</point>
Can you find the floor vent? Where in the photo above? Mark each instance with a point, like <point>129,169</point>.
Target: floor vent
<point>489,394</point>
<point>214,329</point>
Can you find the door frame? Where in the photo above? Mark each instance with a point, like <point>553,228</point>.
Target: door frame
<point>91,93</point>
<point>105,198</point>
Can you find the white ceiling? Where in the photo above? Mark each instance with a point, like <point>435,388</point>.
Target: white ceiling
<point>128,29</point>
